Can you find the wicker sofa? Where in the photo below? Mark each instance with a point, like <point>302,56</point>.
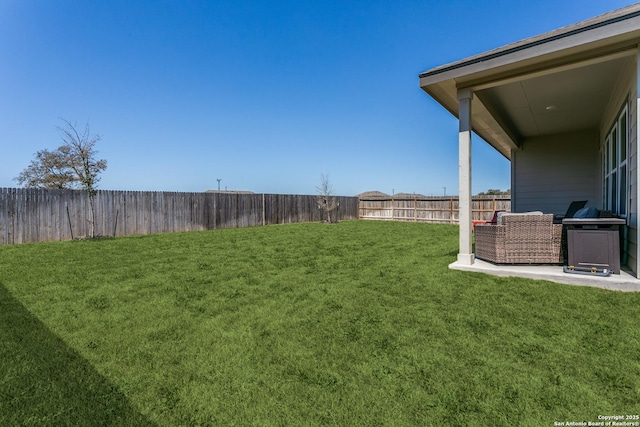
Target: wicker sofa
<point>520,239</point>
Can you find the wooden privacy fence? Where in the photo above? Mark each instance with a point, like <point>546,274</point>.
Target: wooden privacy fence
<point>36,215</point>
<point>429,209</point>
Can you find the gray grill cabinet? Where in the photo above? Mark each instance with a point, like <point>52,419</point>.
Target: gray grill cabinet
<point>594,243</point>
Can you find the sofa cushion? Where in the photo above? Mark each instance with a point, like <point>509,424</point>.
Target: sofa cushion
<point>574,207</point>
<point>503,214</point>
<point>589,212</point>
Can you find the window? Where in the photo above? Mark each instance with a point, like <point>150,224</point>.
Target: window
<point>614,161</point>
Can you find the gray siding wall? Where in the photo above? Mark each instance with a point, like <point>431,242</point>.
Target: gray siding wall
<point>549,172</point>
<point>626,92</point>
<point>632,245</point>
<point>632,221</point>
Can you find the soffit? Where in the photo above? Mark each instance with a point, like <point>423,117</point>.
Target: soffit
<point>564,101</point>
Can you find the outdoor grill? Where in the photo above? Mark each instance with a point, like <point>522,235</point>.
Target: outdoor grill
<point>593,244</point>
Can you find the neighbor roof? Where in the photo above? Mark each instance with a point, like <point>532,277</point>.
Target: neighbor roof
<point>373,194</point>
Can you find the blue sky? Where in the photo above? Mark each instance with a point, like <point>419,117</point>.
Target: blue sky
<point>265,95</point>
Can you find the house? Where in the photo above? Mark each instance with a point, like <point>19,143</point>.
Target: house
<point>563,108</point>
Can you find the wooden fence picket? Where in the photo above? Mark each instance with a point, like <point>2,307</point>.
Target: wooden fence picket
<point>428,209</point>
<point>37,215</point>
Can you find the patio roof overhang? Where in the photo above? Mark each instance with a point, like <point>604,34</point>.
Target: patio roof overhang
<point>555,83</point>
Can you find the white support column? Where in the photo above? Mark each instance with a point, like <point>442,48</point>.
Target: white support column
<point>465,252</point>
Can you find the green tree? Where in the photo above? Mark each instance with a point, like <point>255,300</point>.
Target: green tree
<point>73,165</point>
<point>495,192</point>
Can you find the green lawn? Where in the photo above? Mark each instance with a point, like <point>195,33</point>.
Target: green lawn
<point>357,323</point>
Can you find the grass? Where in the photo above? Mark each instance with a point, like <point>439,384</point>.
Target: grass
<point>357,323</point>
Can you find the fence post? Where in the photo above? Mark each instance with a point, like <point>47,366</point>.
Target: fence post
<point>450,210</point>
<point>393,209</point>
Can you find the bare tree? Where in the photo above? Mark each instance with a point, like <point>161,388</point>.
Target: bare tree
<point>326,199</point>
<point>79,150</point>
<point>72,165</point>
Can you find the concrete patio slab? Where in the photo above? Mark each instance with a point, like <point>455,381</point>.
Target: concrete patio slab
<point>624,281</point>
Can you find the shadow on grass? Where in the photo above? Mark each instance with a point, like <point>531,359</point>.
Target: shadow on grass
<point>45,382</point>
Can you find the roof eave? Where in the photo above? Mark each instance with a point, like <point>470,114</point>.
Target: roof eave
<point>615,30</point>
<point>608,19</point>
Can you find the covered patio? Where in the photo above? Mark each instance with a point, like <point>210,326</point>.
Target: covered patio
<point>625,281</point>
<point>562,107</point>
